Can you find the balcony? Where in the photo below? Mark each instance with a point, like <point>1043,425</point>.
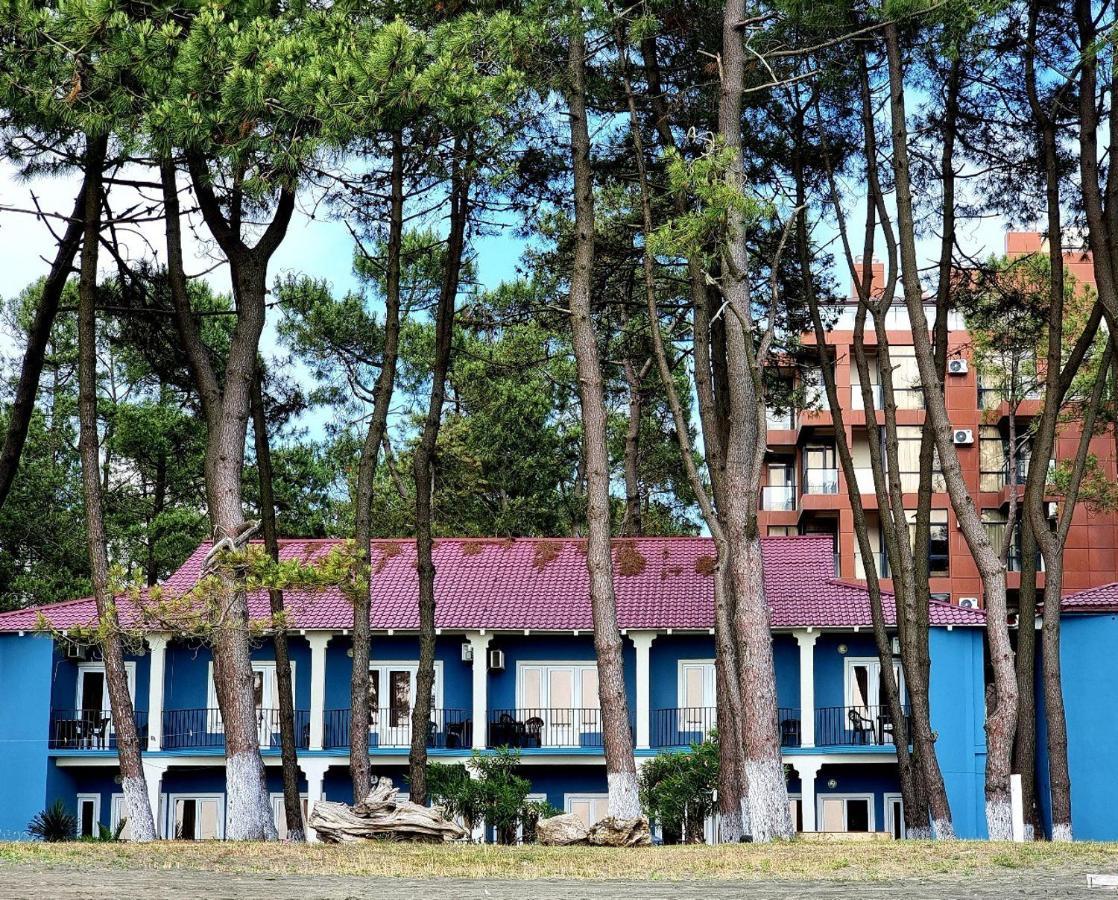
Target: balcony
<point>391,728</point>
<point>821,481</point>
<point>202,729</point>
<point>854,726</point>
<point>684,726</point>
<point>778,498</point>
<point>881,562</point>
<point>536,728</point>
<point>88,729</point>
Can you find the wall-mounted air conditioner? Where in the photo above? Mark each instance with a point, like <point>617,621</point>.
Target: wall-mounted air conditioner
<point>497,660</point>
<point>956,367</point>
<point>77,652</point>
<point>467,652</point>
<point>963,436</point>
<point>968,602</point>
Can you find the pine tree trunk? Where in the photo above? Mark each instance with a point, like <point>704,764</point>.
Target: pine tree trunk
<point>123,714</point>
<point>621,771</point>
<point>366,472</point>
<point>292,801</point>
<point>423,468</point>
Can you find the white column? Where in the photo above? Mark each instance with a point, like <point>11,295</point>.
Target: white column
<point>808,768</point>
<point>157,644</point>
<point>642,642</point>
<point>479,643</point>
<point>314,769</point>
<point>153,776</point>
<point>318,641</point>
<point>806,640</point>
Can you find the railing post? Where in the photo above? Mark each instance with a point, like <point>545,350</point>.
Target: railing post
<point>642,642</point>
<point>806,640</point>
<point>479,643</point>
<point>157,646</point>
<point>318,640</point>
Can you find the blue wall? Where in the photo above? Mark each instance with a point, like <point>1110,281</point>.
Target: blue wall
<point>26,665</point>
<point>958,707</point>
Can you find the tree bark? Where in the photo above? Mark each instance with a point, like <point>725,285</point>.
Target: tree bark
<point>621,771</point>
<point>1001,718</point>
<point>366,471</point>
<point>38,338</point>
<point>423,468</point>
<point>292,801</point>
<point>745,448</point>
<point>226,407</point>
<point>133,783</point>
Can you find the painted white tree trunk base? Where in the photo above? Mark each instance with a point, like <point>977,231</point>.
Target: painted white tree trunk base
<point>249,816</point>
<point>769,816</point>
<point>1061,832</point>
<point>141,822</point>
<point>999,819</point>
<point>919,834</point>
<point>943,829</point>
<point>730,830</point>
<point>624,795</point>
<point>1030,833</point>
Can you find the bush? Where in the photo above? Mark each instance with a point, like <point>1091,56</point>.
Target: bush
<point>54,824</point>
<point>677,791</point>
<point>495,794</point>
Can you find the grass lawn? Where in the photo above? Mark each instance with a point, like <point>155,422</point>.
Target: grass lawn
<point>849,860</point>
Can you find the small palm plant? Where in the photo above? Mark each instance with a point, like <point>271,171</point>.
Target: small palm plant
<point>53,824</point>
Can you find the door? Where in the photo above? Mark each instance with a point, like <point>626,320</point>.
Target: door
<point>265,698</point>
<point>867,714</point>
<point>590,808</point>
<point>894,816</point>
<point>391,698</point>
<point>559,702</point>
<point>697,699</point>
<point>197,819</point>
<point>846,813</point>
<point>93,711</point>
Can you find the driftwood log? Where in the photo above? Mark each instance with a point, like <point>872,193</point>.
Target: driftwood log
<point>380,815</point>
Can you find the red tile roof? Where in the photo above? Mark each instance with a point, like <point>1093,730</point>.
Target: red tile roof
<point>1097,599</point>
<point>542,584</point>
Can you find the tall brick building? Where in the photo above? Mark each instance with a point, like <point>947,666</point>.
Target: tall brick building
<point>806,492</point>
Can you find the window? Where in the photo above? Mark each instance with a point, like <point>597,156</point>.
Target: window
<point>820,474</point>
<point>197,817</point>
<point>992,459</point>
<point>907,390</point>
<point>89,815</point>
<point>91,703</point>
<point>279,813</point>
<point>391,698</point>
<point>563,697</point>
<point>846,812</point>
<point>265,695</point>
<point>866,711</point>
<point>894,816</point>
<point>590,808</point>
<point>909,438</point>
<point>796,811</point>
<point>783,531</point>
<point>697,698</point>
<point>118,812</point>
<point>780,492</point>
<point>937,549</point>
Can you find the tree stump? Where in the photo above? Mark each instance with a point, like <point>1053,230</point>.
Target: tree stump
<point>382,815</point>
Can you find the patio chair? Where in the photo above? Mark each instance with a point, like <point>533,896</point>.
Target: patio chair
<point>533,732</point>
<point>861,726</point>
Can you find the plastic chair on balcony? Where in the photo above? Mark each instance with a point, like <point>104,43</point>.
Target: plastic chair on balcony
<point>861,726</point>
<point>533,733</point>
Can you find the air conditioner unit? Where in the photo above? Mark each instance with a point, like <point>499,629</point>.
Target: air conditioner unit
<point>896,646</point>
<point>497,660</point>
<point>1051,509</point>
<point>77,652</point>
<point>956,367</point>
<point>963,436</point>
<point>968,602</point>
<point>467,652</point>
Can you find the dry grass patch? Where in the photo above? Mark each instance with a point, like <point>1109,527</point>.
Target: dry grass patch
<point>797,860</point>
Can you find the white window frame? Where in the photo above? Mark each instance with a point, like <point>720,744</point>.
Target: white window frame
<point>400,735</point>
<point>172,799</point>
<point>578,796</point>
<point>83,667</point>
<point>799,798</point>
<point>94,799</point>
<point>890,822</point>
<point>871,822</point>
<point>279,809</point>
<point>558,734</point>
<point>873,663</point>
<point>710,688</point>
<point>214,724</point>
<point>118,810</point>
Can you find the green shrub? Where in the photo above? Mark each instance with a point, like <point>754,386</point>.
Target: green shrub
<point>53,824</point>
<point>677,790</point>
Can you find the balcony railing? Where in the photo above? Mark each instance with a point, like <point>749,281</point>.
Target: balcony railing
<point>854,726</point>
<point>881,561</point>
<point>201,729</point>
<point>534,728</point>
<point>821,481</point>
<point>88,729</point>
<point>778,497</point>
<point>684,726</point>
<point>392,728</point>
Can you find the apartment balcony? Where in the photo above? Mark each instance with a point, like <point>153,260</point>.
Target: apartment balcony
<point>535,728</point>
<point>88,729</point>
<point>203,729</point>
<point>778,498</point>
<point>684,726</point>
<point>854,726</point>
<point>821,481</point>
<point>881,562</point>
<point>391,728</point>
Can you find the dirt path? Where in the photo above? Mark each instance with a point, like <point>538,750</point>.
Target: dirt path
<point>26,881</point>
